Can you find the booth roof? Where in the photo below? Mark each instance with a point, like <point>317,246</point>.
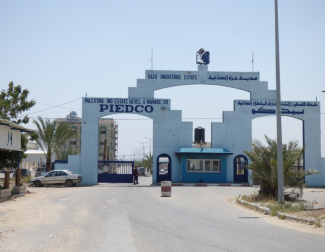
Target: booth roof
<point>203,151</point>
<point>15,126</point>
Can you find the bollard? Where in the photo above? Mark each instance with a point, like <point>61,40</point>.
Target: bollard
<point>166,188</point>
<point>18,173</point>
<point>7,178</point>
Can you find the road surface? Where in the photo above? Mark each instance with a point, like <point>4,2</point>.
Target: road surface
<point>125,218</point>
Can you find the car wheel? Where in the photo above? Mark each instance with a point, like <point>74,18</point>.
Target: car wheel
<point>38,183</point>
<point>74,184</point>
<point>68,183</point>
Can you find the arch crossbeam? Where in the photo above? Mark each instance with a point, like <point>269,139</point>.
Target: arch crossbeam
<point>246,81</point>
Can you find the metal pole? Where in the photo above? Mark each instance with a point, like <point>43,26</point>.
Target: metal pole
<point>149,144</point>
<point>278,110</point>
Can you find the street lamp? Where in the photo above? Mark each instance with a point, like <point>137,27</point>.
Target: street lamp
<point>142,149</point>
<point>149,144</point>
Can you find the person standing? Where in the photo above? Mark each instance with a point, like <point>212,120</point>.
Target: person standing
<point>135,174</point>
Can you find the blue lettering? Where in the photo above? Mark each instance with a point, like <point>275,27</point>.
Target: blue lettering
<point>136,108</point>
<point>127,108</point>
<point>152,76</point>
<point>118,108</point>
<point>103,107</point>
<point>189,77</point>
<point>147,108</point>
<point>111,108</point>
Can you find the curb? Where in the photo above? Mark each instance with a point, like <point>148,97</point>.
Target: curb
<point>267,210</point>
<point>205,184</point>
<point>13,196</point>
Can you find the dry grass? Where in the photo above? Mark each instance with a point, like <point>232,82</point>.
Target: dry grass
<point>302,209</point>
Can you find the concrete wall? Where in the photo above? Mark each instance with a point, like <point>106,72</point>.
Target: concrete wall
<point>170,133</point>
<point>72,165</point>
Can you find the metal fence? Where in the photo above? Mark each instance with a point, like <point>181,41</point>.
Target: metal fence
<point>115,171</point>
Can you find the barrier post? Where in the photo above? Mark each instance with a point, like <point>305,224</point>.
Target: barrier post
<point>166,188</point>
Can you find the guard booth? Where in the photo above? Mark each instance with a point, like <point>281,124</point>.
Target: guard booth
<point>115,171</point>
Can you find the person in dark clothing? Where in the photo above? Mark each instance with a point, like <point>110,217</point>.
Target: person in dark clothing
<point>135,174</point>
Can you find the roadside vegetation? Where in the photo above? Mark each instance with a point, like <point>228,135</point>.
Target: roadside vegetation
<point>147,162</point>
<point>264,169</point>
<point>264,173</point>
<point>51,136</point>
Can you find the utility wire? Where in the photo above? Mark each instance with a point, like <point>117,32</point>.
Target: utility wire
<point>52,107</point>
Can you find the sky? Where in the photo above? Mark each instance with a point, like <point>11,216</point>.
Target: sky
<point>62,50</point>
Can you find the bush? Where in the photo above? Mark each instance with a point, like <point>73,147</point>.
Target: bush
<point>264,168</point>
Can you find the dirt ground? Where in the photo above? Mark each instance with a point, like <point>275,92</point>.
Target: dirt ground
<point>34,209</point>
<point>296,225</point>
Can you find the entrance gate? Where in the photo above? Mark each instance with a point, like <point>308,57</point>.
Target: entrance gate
<point>240,169</point>
<point>115,171</point>
<point>164,168</point>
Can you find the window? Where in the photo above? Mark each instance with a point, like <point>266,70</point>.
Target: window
<point>203,165</point>
<point>101,143</point>
<point>51,174</point>
<point>72,143</point>
<point>103,132</point>
<point>60,173</point>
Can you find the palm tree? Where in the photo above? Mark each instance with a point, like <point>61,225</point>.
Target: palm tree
<point>264,168</point>
<point>147,161</point>
<point>50,137</point>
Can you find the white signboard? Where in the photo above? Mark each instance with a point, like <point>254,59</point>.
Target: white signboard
<point>10,139</point>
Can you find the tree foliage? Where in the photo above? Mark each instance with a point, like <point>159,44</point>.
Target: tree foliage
<point>264,168</point>
<point>63,154</point>
<point>146,162</point>
<point>51,136</point>
<point>13,102</point>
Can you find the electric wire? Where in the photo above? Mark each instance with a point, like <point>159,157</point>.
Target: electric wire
<point>52,107</point>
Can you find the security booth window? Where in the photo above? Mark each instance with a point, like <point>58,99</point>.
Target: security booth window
<point>207,165</point>
<point>203,165</point>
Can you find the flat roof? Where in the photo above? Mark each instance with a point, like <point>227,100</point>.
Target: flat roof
<point>15,126</point>
<point>203,151</point>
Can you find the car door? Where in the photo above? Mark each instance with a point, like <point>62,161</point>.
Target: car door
<point>49,178</point>
<point>61,177</point>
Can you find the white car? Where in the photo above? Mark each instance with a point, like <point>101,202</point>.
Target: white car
<point>57,177</point>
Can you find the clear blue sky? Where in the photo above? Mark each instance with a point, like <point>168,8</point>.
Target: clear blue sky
<point>61,50</point>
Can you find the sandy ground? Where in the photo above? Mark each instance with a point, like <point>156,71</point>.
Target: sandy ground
<point>35,212</point>
<point>299,226</point>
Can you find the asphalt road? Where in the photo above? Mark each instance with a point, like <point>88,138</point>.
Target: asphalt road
<point>135,218</point>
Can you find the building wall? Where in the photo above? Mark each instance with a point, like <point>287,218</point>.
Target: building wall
<point>72,165</point>
<point>107,143</point>
<point>204,177</point>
